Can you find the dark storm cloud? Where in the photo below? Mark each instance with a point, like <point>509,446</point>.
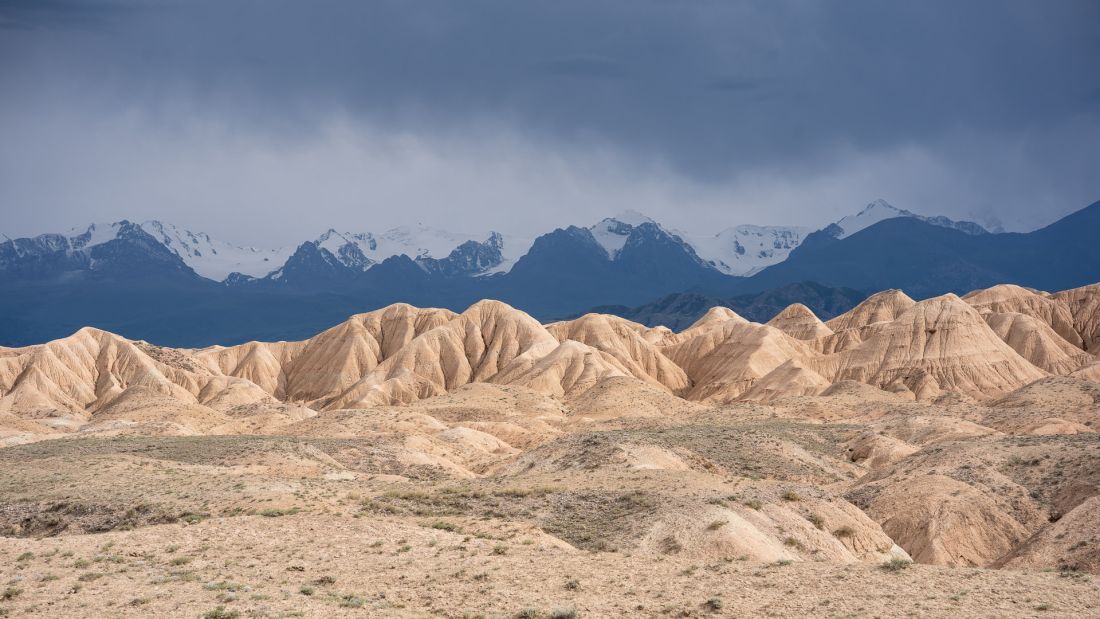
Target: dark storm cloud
<point>798,110</point>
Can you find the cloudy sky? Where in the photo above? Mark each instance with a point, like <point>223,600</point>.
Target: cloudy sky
<point>266,121</point>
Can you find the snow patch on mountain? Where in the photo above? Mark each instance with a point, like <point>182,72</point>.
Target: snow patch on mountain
<point>214,259</point>
<point>425,245</point>
<point>744,250</point>
<point>881,210</point>
<point>611,233</point>
<point>512,248</point>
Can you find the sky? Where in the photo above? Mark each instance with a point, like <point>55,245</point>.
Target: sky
<point>265,122</point>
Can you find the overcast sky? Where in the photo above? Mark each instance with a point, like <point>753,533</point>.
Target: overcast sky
<point>264,122</point>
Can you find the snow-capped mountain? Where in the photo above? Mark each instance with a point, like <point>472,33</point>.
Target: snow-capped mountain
<point>363,250</point>
<point>741,250</point>
<point>214,259</point>
<point>744,250</point>
<point>611,233</point>
<point>209,258</point>
<point>880,210</point>
<point>434,250</point>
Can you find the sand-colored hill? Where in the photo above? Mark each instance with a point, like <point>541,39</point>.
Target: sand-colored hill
<point>799,322</point>
<point>1037,342</point>
<point>792,378</point>
<point>723,360</point>
<point>1084,306</point>
<point>1068,544</point>
<point>881,307</point>
<point>975,502</point>
<point>1010,299</point>
<point>628,343</point>
<point>937,345</point>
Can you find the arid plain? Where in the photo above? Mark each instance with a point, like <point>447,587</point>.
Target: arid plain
<point>932,458</point>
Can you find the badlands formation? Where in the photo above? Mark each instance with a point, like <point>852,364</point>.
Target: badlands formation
<point>937,457</point>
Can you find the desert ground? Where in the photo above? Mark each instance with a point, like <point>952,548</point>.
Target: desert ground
<point>931,458</point>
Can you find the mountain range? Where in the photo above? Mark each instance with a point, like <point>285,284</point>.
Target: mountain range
<point>156,281</point>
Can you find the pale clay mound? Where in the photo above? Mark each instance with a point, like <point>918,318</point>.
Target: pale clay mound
<point>799,322</point>
<point>1009,299</point>
<point>882,307</point>
<point>1084,306</point>
<point>1035,341</point>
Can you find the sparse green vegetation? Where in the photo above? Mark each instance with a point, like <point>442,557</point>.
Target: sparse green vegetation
<point>351,601</point>
<point>276,513</point>
<point>896,565</point>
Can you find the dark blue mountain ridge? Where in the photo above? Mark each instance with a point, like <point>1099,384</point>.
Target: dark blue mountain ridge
<point>927,260</point>
<point>134,286</point>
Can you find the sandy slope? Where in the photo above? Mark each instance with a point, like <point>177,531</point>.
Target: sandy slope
<point>413,462</point>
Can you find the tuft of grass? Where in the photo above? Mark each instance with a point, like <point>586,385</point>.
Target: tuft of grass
<point>223,585</point>
<point>792,496</point>
<point>844,531</point>
<point>816,520</point>
<point>351,601</point>
<point>572,584</point>
<point>193,517</point>
<point>305,590</point>
<point>896,565</point>
<point>714,604</point>
<point>275,513</point>
<point>563,613</point>
<point>23,558</point>
<point>11,593</point>
<point>221,613</point>
<point>500,549</point>
<point>717,524</point>
<point>754,504</point>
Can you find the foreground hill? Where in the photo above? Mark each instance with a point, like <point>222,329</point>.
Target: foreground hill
<point>455,448</point>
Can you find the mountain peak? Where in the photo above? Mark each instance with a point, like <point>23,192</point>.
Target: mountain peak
<point>881,210</point>
<point>612,232</point>
<point>631,217</point>
<point>879,204</point>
